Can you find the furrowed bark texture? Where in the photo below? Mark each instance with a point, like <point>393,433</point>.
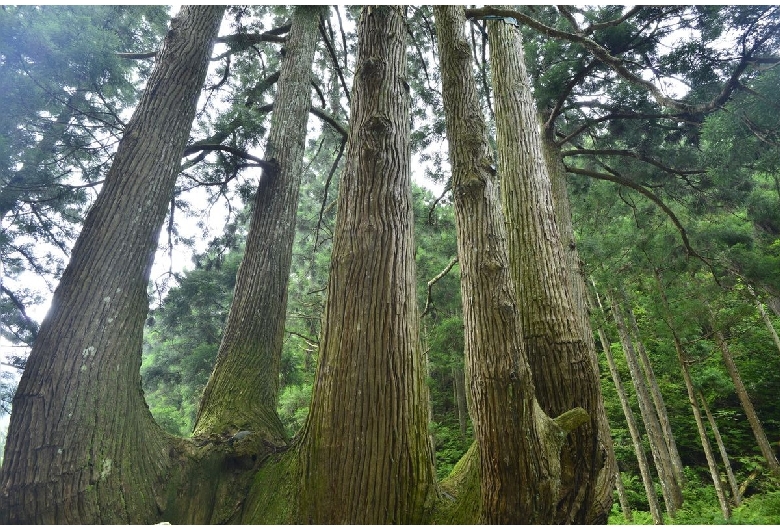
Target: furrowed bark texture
<point>365,452</point>
<point>605,483</point>
<point>243,389</point>
<point>82,446</point>
<point>558,353</point>
<point>519,471</point>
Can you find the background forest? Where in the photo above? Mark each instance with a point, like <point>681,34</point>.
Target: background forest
<point>668,124</point>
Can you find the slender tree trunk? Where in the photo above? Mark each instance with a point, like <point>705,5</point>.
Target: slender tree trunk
<point>633,429</point>
<point>705,443</point>
<point>767,322</point>
<point>559,355</point>
<point>242,393</point>
<point>655,393</point>
<point>365,456</point>
<point>624,506</point>
<point>669,486</point>
<point>459,380</point>
<point>519,467</point>
<point>82,445</point>
<point>735,492</point>
<point>603,497</point>
<point>744,399</point>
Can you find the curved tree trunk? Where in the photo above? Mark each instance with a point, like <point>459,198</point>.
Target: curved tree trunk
<point>605,484</point>
<point>365,456</point>
<point>559,355</point>
<point>242,392</point>
<point>82,445</point>
<point>519,465</point>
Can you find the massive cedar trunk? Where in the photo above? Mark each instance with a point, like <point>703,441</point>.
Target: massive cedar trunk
<point>364,454</point>
<point>603,498</point>
<point>519,459</point>
<point>744,399</point>
<point>82,446</point>
<point>558,352</point>
<point>663,462</point>
<point>241,394</point>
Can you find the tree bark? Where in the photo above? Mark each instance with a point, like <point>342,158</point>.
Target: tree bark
<point>744,399</point>
<point>603,497</point>
<point>459,380</point>
<point>242,393</point>
<point>558,353</point>
<point>82,445</point>
<point>655,393</point>
<point>365,456</point>
<point>735,491</point>
<point>663,463</point>
<point>633,429</point>
<point>519,462</point>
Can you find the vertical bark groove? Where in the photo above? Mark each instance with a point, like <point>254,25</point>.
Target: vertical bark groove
<point>365,456</point>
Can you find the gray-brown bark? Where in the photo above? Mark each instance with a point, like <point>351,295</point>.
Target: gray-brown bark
<point>365,456</point>
<point>603,498</point>
<point>519,467</point>
<point>744,399</point>
<point>671,489</point>
<point>655,393</point>
<point>243,389</point>
<point>736,494</point>
<point>82,445</point>
<point>558,353</point>
<point>633,428</point>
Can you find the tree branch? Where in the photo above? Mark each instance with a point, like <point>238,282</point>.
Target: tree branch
<point>432,282</point>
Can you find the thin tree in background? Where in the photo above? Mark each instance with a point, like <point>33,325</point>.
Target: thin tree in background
<point>671,489</point>
<point>735,492</point>
<point>633,428</point>
<point>744,398</point>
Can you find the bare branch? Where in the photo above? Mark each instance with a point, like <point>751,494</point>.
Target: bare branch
<point>432,282</point>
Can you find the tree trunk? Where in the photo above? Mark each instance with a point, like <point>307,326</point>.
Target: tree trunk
<point>663,463</point>
<point>633,429</point>
<point>767,322</point>
<point>735,491</point>
<point>459,380</point>
<point>558,353</point>
<point>82,445</point>
<point>705,443</point>
<point>603,497</point>
<point>364,452</point>
<point>624,506</point>
<point>519,467</point>
<point>655,393</point>
<point>744,399</point>
<point>242,393</point>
